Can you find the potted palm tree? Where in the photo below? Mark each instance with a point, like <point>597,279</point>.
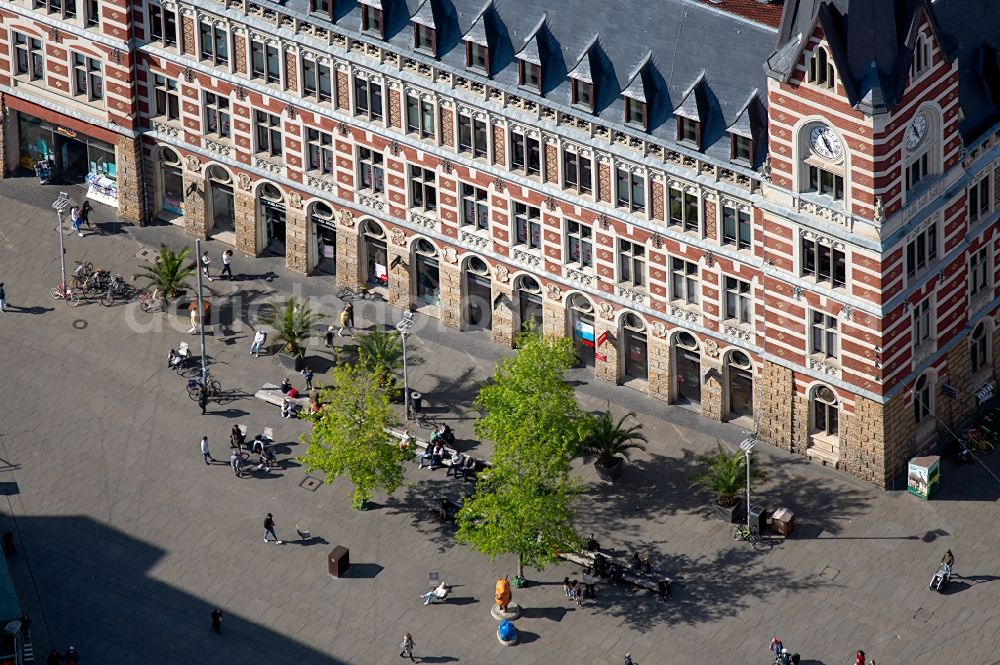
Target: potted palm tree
<point>293,326</point>
<point>725,476</point>
<point>168,272</point>
<point>382,354</point>
<point>609,443</point>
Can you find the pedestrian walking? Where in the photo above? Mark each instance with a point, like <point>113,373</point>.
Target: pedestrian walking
<point>859,658</point>
<point>406,648</point>
<point>85,214</point>
<point>236,462</point>
<point>217,620</point>
<point>776,646</point>
<point>3,298</point>
<point>258,340</point>
<point>227,264</point>
<point>204,264</point>
<point>567,587</point>
<point>346,320</point>
<point>328,337</point>
<point>269,528</point>
<point>588,583</point>
<point>76,219</point>
<point>628,659</point>
<point>204,450</point>
<point>195,318</point>
<point>203,398</point>
<point>8,544</point>
<point>308,375</point>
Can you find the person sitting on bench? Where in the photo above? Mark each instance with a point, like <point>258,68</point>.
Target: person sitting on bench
<point>455,464</point>
<point>288,407</point>
<point>286,386</point>
<point>469,468</point>
<point>440,593</point>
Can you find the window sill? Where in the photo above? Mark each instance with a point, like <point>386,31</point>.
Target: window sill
<point>733,246</point>
<point>979,300</point>
<point>823,200</point>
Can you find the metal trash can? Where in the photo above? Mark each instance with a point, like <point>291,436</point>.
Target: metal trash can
<point>416,401</point>
<point>757,521</point>
<point>783,521</point>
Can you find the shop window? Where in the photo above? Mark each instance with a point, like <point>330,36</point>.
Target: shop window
<point>428,275</point>
<point>88,80</point>
<point>317,80</point>
<point>580,244</point>
<point>475,207</point>
<point>166,103</point>
<point>527,226</point>
<point>267,133</point>
<point>320,151</point>
<point>216,115</point>
<point>29,54</point>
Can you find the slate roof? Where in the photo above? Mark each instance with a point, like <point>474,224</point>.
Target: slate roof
<point>657,50</point>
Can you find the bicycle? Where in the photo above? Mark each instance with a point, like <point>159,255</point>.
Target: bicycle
<point>62,293</point>
<point>150,299</point>
<point>349,293</point>
<point>422,419</point>
<point>749,534</point>
<point>81,274</point>
<point>975,439</point>
<point>117,290</point>
<point>214,388</point>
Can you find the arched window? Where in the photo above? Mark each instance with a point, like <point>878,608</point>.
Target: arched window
<point>821,69</point>
<point>921,57</point>
<point>979,347</point>
<point>825,415</point>
<point>923,405</point>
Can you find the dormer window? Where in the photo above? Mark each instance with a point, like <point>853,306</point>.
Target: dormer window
<point>371,20</point>
<point>424,38</point>
<point>477,56</point>
<point>321,7</point>
<point>530,75</point>
<point>635,112</point>
<point>741,149</point>
<point>688,131</point>
<point>583,95</point>
<point>921,57</point>
<point>821,69</point>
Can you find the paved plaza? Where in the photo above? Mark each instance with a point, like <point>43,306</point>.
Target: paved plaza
<point>127,540</point>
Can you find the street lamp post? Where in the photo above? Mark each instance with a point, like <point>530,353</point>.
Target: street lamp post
<point>746,445</point>
<point>201,311</point>
<point>404,327</point>
<point>59,205</point>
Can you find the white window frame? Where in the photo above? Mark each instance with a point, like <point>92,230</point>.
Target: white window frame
<point>521,149</point>
<point>319,145</point>
<point>159,23</point>
<point>425,181</point>
<point>922,319</point>
<point>269,125</point>
<point>369,112</point>
<point>685,281</point>
<point>317,70</point>
<point>217,106</point>
<point>264,73</point>
<point>580,185</point>
<point>737,300</point>
<point>922,251</point>
<point>92,70</point>
<point>210,52</point>
<point>581,235</point>
<point>631,264</point>
<point>33,51</point>
<point>823,335</point>
<point>372,162</point>
<point>633,182</point>
<point>528,218</point>
<point>473,135</point>
<point>477,200</point>
<point>166,100</point>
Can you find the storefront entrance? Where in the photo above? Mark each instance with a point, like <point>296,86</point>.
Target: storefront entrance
<point>272,211</point>
<point>428,273</point>
<point>581,327</point>
<point>740,384</point>
<point>222,204</point>
<point>376,255</point>
<point>478,294</point>
<point>324,240</point>
<point>687,369</point>
<point>529,303</point>
<point>634,352</point>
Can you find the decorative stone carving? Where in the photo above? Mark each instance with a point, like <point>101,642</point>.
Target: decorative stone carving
<point>527,258</point>
<point>501,273</point>
<point>550,203</point>
<point>193,164</point>
<point>607,311</point>
<point>684,314</point>
<point>320,183</point>
<point>879,210</point>
<point>243,182</point>
<point>398,237</point>
<point>847,312</point>
<point>165,129</point>
<point>555,293</point>
<point>474,240</point>
<point>218,148</point>
<point>659,330</point>
<point>579,276</point>
<point>371,201</point>
<point>734,331</point>
<point>450,255</point>
<point>823,367</point>
<point>637,297</point>
<point>347,219</point>
<point>428,223</point>
<point>711,348</point>
<point>294,200</point>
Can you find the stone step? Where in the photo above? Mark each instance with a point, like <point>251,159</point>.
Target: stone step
<point>823,452</point>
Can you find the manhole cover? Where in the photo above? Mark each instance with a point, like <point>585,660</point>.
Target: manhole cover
<point>923,615</point>
<point>143,254</point>
<point>310,483</point>
<point>79,324</point>
<point>829,573</point>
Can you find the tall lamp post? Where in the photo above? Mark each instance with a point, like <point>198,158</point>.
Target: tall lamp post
<point>59,205</point>
<point>201,310</point>
<point>403,327</point>
<point>746,445</point>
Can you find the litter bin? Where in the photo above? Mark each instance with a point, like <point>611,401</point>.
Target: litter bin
<point>757,518</point>
<point>416,401</point>
<point>340,561</point>
<point>783,521</point>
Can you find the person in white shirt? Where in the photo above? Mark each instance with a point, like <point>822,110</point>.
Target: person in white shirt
<point>227,264</point>
<point>441,593</point>
<point>204,264</point>
<point>258,340</point>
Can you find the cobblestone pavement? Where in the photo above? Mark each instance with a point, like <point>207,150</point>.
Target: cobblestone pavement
<point>128,540</point>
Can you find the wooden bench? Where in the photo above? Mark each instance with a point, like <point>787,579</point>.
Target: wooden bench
<point>272,394</point>
<point>640,579</point>
<point>423,445</point>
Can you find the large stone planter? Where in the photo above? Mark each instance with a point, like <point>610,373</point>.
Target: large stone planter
<point>730,515</point>
<point>295,363</point>
<point>612,471</point>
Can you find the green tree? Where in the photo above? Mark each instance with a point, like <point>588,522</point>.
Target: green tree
<point>523,503</point>
<point>293,324</point>
<point>725,475</point>
<point>349,435</point>
<point>168,272</point>
<point>529,411</point>
<point>529,516</point>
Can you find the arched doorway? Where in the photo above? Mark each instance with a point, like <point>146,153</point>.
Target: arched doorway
<point>528,293</point>
<point>375,254</point>
<point>739,383</point>
<point>580,320</point>
<point>324,239</point>
<point>687,368</point>
<point>478,295</point>
<point>272,219</point>
<point>426,273</point>
<point>171,200</point>
<point>221,205</point>
<point>635,359</point>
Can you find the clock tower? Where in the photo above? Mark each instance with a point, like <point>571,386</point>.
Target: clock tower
<point>863,136</point>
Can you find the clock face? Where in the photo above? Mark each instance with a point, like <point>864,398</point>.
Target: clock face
<point>916,131</point>
<point>825,142</point>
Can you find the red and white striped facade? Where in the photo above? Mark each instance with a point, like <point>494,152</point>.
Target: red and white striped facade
<point>874,371</point>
